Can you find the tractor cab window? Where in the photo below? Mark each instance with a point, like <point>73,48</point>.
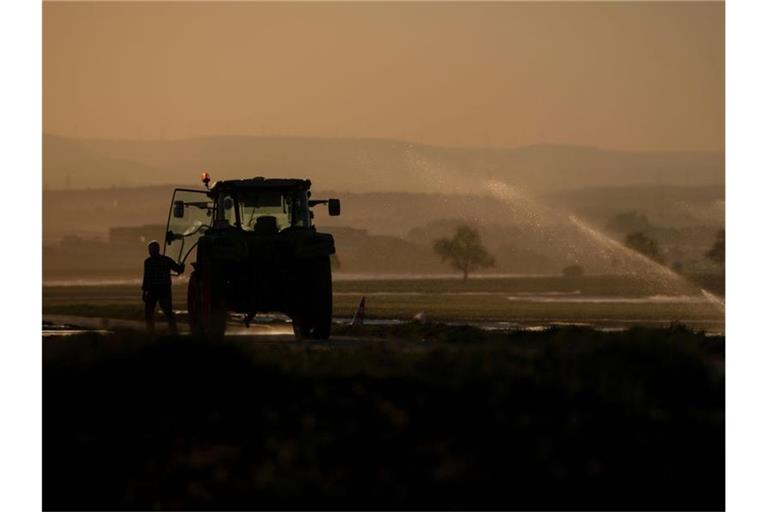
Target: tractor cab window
<point>225,208</point>
<point>271,211</point>
<point>190,216</point>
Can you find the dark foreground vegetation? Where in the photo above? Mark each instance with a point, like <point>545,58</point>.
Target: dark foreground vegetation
<point>413,417</point>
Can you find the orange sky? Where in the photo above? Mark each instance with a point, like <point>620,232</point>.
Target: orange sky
<point>619,75</point>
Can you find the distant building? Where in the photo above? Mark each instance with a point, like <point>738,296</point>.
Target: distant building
<point>127,236</point>
<point>77,243</point>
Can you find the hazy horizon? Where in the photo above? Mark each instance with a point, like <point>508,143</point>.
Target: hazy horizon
<point>367,164</point>
<point>97,138</point>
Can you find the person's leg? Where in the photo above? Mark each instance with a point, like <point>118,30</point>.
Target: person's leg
<point>167,306</point>
<point>149,312</point>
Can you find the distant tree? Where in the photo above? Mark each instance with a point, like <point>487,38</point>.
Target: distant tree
<point>573,271</point>
<point>642,243</point>
<point>717,252</point>
<point>464,251</point>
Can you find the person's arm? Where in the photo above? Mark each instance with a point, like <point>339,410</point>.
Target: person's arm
<point>177,267</point>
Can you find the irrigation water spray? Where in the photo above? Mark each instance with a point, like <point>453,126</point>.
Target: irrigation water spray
<point>535,215</point>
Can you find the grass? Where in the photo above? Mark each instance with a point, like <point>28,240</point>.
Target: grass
<point>601,285</point>
<point>459,309</point>
<point>498,308</point>
<point>442,300</point>
<point>417,416</point>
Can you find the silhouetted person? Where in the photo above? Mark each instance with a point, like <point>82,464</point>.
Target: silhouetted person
<point>156,287</point>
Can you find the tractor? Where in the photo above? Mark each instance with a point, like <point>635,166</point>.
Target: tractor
<point>256,251</point>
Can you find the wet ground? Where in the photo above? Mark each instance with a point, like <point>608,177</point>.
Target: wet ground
<point>495,303</point>
<point>67,325</point>
<point>281,330</point>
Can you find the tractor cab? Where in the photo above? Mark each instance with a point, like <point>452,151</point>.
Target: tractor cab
<point>259,206</point>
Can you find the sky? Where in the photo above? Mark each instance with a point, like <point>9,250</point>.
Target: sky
<point>636,76</point>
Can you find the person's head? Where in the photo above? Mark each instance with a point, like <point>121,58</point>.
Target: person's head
<point>154,248</point>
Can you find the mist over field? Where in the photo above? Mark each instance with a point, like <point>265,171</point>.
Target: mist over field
<point>397,197</point>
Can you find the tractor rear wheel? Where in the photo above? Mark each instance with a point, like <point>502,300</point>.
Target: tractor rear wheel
<point>207,316</point>
<point>193,304</point>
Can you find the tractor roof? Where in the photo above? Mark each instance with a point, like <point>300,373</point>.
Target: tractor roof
<point>262,183</point>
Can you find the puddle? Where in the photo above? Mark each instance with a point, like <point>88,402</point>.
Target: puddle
<point>577,299</point>
<point>72,332</point>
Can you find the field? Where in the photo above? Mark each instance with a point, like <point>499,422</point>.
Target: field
<point>408,416</point>
<point>603,301</point>
<point>493,402</point>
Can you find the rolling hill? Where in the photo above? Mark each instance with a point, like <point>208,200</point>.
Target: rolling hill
<point>367,165</point>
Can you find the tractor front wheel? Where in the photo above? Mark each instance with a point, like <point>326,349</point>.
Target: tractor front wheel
<point>207,317</point>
